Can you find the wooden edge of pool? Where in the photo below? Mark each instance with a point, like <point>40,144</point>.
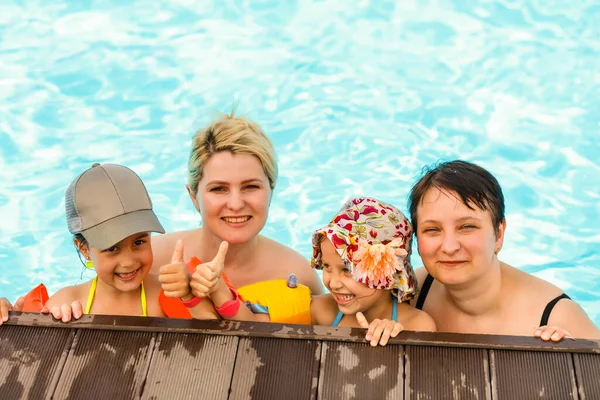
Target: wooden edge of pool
<point>302,332</point>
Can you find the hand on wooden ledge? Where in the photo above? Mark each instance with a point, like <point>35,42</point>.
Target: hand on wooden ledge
<point>554,333</point>
<point>5,307</point>
<point>65,312</point>
<point>379,330</point>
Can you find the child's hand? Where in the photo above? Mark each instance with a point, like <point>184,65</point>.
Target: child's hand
<point>553,333</point>
<point>380,330</point>
<point>174,278</point>
<point>65,312</point>
<point>5,307</point>
<point>207,275</point>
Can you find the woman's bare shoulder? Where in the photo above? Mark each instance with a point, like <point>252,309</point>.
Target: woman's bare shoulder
<point>415,320</point>
<point>288,260</point>
<point>530,285</point>
<point>163,245</point>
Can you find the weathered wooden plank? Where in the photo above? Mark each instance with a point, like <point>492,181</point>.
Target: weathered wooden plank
<point>105,365</point>
<point>271,330</point>
<point>531,374</point>
<point>276,369</point>
<point>587,372</point>
<point>188,366</point>
<point>31,360</point>
<point>359,371</point>
<point>446,373</point>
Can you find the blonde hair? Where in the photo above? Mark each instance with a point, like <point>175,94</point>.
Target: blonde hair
<point>238,135</point>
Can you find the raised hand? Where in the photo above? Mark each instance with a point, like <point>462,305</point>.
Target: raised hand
<point>379,330</point>
<point>207,275</point>
<point>5,307</point>
<point>554,333</point>
<point>173,277</point>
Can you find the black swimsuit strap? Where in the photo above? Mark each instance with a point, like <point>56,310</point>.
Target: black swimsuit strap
<point>549,307</point>
<point>424,291</point>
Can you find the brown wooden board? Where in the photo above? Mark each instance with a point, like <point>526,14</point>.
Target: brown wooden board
<point>31,360</point>
<point>530,374</point>
<point>359,371</point>
<point>276,369</point>
<point>446,373</point>
<point>188,366</point>
<point>272,330</point>
<point>105,365</point>
<point>587,372</point>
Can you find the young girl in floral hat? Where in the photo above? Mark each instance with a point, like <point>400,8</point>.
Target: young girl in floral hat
<point>364,255</point>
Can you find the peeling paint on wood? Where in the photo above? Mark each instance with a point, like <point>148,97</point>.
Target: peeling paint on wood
<point>359,371</point>
<point>275,369</point>
<point>154,358</point>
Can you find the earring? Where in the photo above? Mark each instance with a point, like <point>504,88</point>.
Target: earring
<point>89,264</point>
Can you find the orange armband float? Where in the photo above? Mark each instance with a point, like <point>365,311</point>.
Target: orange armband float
<point>35,299</point>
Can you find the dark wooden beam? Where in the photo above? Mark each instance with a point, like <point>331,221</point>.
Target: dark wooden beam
<point>273,330</point>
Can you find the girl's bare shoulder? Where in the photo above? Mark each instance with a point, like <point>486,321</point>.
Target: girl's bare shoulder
<point>69,294</point>
<point>323,309</point>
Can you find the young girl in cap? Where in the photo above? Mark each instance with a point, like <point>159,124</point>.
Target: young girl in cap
<point>364,255</point>
<point>110,215</point>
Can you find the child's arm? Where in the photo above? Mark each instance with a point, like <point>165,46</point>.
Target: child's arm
<point>5,307</point>
<point>207,281</point>
<point>224,300</point>
<point>175,282</point>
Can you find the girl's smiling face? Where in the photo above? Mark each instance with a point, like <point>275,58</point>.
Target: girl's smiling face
<point>124,265</point>
<point>350,295</point>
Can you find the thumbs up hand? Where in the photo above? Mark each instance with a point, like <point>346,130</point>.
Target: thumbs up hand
<point>379,330</point>
<point>173,277</point>
<point>207,275</point>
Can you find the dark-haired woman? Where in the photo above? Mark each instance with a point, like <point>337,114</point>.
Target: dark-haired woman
<point>457,210</point>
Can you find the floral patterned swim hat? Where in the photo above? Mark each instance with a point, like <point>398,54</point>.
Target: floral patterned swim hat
<point>373,239</point>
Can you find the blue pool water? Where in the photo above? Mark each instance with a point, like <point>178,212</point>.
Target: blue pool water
<point>356,95</point>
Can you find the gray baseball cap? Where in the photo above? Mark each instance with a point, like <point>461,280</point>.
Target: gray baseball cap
<point>108,203</point>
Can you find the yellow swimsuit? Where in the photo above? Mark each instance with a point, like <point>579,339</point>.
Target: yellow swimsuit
<point>88,307</point>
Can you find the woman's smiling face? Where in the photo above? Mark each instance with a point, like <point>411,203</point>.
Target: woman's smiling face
<point>456,243</point>
<point>233,197</point>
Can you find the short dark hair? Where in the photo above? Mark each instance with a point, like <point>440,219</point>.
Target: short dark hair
<point>80,238</point>
<point>474,185</point>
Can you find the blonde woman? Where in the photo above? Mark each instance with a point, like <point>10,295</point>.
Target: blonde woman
<point>232,173</point>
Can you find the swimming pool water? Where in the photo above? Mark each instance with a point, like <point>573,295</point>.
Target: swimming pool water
<point>357,97</point>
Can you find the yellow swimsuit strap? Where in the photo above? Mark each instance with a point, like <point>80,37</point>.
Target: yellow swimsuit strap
<point>144,312</point>
<point>88,306</point>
